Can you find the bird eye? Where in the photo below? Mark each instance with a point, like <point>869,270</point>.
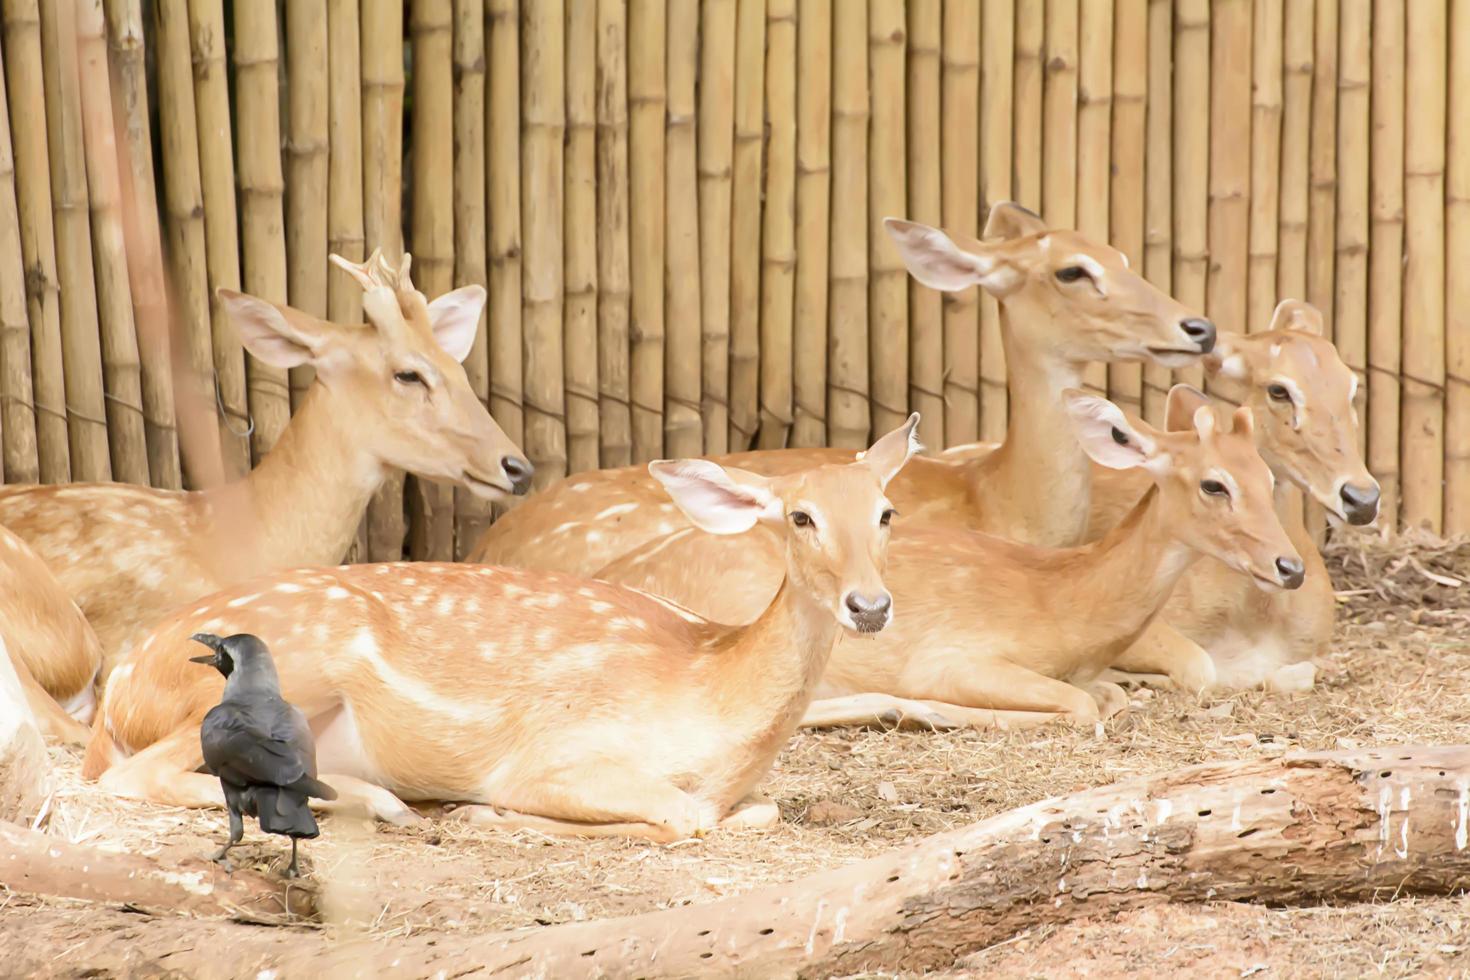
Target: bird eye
<point>887,517</point>
<point>1214,488</point>
<point>1072,273</point>
<point>409,378</point>
<point>802,519</point>
<point>1278,393</point>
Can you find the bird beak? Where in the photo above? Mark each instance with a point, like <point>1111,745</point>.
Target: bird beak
<point>203,660</point>
<point>211,641</point>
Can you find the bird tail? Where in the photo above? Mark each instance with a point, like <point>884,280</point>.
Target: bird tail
<point>311,786</point>
<point>282,810</point>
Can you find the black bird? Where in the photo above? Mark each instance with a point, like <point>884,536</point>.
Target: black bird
<point>259,746</point>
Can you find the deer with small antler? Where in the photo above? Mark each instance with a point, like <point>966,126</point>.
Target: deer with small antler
<point>390,394</point>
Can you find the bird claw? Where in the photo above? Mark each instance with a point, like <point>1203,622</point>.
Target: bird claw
<point>223,862</point>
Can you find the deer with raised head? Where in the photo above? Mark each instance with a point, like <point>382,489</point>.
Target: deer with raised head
<point>1065,301</point>
<point>389,394</point>
<point>546,701</point>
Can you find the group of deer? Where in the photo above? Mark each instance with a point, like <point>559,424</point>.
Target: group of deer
<point>628,650</point>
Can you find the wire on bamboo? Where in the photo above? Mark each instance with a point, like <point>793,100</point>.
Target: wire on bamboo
<point>960,185</point>
<point>17,417</point>
<point>1265,163</point>
<point>1457,287</point>
<point>580,249</point>
<point>503,204</point>
<point>683,429</point>
<point>778,228</point>
<point>1126,194</point>
<point>1158,193</point>
<point>307,180</point>
<point>1094,108</point>
<point>716,149</point>
<point>1296,132</point>
<point>1191,160</point>
<point>612,233</point>
<point>1385,253</point>
<point>887,326</point>
<point>998,52</point>
<point>646,106</point>
<point>814,122</point>
<point>1350,309</point>
<point>926,318</point>
<point>745,222</point>
<point>847,342</point>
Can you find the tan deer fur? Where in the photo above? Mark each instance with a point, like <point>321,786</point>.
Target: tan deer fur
<point>128,555</point>
<point>1035,489</point>
<point>552,702</point>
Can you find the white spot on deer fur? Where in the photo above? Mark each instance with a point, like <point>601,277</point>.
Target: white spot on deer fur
<point>289,588</point>
<point>489,651</point>
<point>445,606</point>
<point>614,511</point>
<point>364,646</point>
<point>545,637</point>
<point>594,537</point>
<point>243,600</point>
<point>579,487</point>
<point>601,607</point>
<point>586,593</point>
<point>513,591</point>
<point>471,607</point>
<point>337,592</point>
<point>564,528</point>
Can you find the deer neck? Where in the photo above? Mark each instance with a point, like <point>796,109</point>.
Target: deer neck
<point>308,494</point>
<point>1037,486</point>
<point>777,660</point>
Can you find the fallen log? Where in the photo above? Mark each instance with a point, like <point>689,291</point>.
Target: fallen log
<point>33,863</point>
<point>24,767</point>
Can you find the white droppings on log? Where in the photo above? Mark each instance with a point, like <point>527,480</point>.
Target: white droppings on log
<point>1463,806</point>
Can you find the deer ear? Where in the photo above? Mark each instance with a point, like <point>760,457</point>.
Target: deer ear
<point>712,498</point>
<point>937,262</point>
<point>1180,405</point>
<point>1243,421</point>
<point>889,454</point>
<point>1296,314</point>
<point>1107,435</point>
<point>455,317</point>
<point>279,336</point>
<point>1010,220</point>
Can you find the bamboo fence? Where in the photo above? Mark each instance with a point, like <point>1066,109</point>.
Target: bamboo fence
<point>676,207</point>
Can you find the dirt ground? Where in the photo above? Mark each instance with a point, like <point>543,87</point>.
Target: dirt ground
<point>1397,674</point>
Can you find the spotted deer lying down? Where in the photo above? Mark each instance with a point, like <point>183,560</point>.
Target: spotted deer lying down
<point>1000,633</point>
<point>389,394</point>
<point>546,701</point>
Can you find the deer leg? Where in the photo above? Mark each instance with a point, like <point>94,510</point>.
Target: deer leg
<point>755,812</point>
<point>590,804</point>
<point>51,717</point>
<point>166,772</point>
<point>1002,686</point>
<point>886,711</point>
<point>1164,650</point>
<point>358,795</point>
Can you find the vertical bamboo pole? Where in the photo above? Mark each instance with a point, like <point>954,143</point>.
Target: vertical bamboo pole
<point>1385,254</point>
<point>997,61</point>
<point>86,409</point>
<point>683,430</point>
<point>262,191</point>
<point>307,181</point>
<point>814,111</point>
<point>612,232</point>
<point>145,279</point>
<point>1457,286</point>
<point>431,227</point>
<point>1265,162</point>
<point>1094,109</point>
<point>1422,439</point>
<point>183,203</point>
<point>960,187</point>
<point>382,191</point>
<point>221,232</point>
<point>1350,313</point>
<point>1130,120</point>
<point>646,99</point>
<point>1230,162</point>
<point>1296,134</point>
<point>471,513</point>
<point>1059,141</point>
<point>543,127</point>
<point>121,370</point>
<point>503,204</point>
<point>17,417</point>
<point>1029,83</point>
<point>580,324</point>
<point>1191,159</point>
<point>887,277</point>
<point>926,319</point>
<point>745,222</point>
<point>1158,164</point>
<point>847,355</point>
<point>716,146</point>
<point>778,228</point>
<point>1321,222</point>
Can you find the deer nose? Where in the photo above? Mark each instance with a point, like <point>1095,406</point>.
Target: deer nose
<point>869,613</point>
<point>518,471</point>
<point>1291,571</point>
<point>1201,331</point>
<point>1360,503</point>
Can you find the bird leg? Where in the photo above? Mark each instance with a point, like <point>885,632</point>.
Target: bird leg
<point>237,831</point>
<point>292,871</point>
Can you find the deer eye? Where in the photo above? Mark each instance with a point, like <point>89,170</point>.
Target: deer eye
<point>1119,436</point>
<point>409,378</point>
<point>1214,488</point>
<point>887,517</point>
<point>1073,273</point>
<point>802,519</point>
<point>1278,393</point>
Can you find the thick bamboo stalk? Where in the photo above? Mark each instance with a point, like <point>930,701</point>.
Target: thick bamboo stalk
<point>471,513</point>
<point>503,204</point>
<point>86,409</point>
<point>382,192</point>
<point>1296,134</point>
<point>262,190</point>
<point>847,352</point>
<point>307,177</point>
<point>1059,119</point>
<point>997,60</point>
<point>1265,147</point>
<point>1385,254</point>
<point>17,416</point>
<point>1191,159</point>
<point>960,183</point>
<point>146,285</point>
<point>1321,223</point>
<point>543,126</point>
<point>220,452</point>
<point>926,317</point>
<point>716,151</point>
<point>580,316</point>
<point>221,232</point>
<point>778,226</point>
<point>431,217</point>
<point>1457,285</point>
<point>1231,148</point>
<point>646,106</point>
<point>683,430</point>
<point>745,222</point>
<point>1094,108</point>
<point>1422,441</point>
<point>1158,164</point>
<point>122,373</point>
<point>1127,190</point>
<point>814,122</point>
<point>1350,310</point>
<point>612,233</point>
<point>887,277</point>
<point>1029,83</point>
